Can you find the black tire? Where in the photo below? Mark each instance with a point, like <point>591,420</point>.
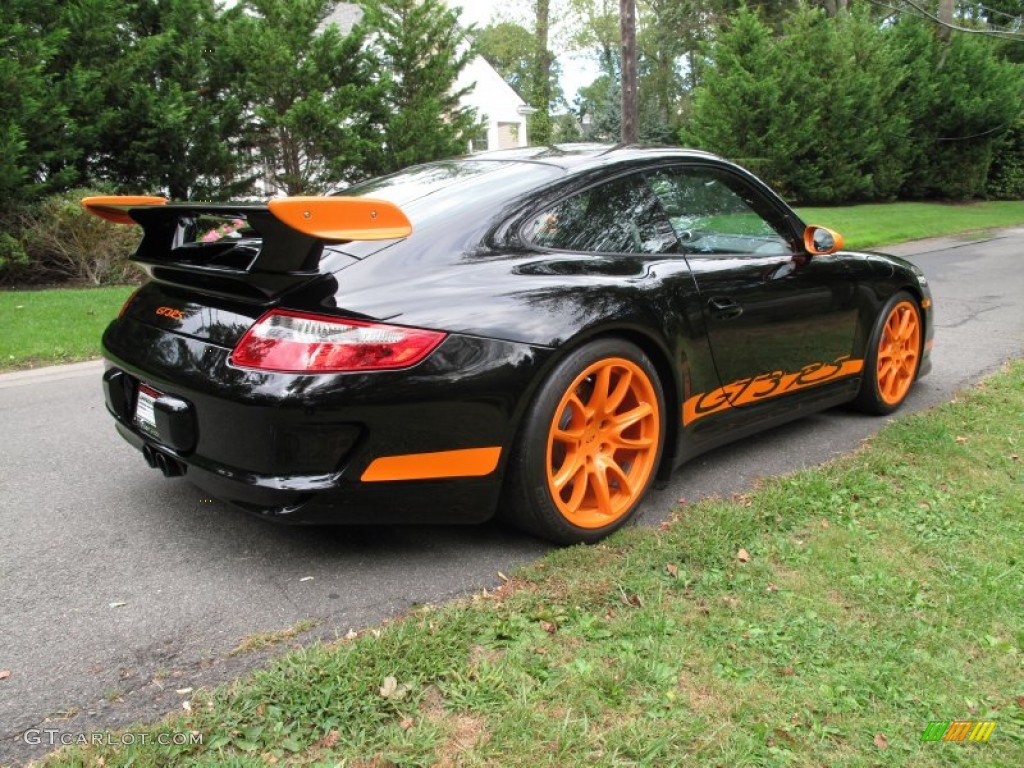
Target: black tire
<point>577,475</point>
<point>884,388</point>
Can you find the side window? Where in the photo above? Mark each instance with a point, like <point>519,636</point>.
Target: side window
<point>621,216</point>
<point>715,212</point>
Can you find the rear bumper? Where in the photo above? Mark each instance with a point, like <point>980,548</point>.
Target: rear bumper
<point>295,448</point>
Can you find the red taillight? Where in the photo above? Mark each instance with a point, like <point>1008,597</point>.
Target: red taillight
<point>128,301</point>
<point>302,343</point>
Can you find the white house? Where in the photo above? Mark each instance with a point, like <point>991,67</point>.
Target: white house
<point>496,103</point>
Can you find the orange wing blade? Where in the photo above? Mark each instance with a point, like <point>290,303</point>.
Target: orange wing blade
<point>342,218</point>
<point>114,208</point>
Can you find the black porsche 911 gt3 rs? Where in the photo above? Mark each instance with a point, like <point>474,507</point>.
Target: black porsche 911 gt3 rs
<point>540,332</point>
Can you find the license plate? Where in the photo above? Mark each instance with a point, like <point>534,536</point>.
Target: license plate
<point>145,417</point>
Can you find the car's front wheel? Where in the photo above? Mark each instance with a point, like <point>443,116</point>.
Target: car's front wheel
<point>893,356</point>
<point>590,445</point>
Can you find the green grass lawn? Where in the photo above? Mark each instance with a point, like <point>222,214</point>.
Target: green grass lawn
<point>822,620</point>
<point>55,326</point>
<point>868,226</point>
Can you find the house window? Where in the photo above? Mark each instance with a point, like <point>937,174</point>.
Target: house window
<point>508,135</point>
<point>479,141</point>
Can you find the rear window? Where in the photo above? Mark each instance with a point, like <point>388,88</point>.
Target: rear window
<point>456,176</point>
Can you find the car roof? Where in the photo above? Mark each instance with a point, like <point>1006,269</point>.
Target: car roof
<point>514,170</point>
<point>587,155</point>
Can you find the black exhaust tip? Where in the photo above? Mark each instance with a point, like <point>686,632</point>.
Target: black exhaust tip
<point>169,466</point>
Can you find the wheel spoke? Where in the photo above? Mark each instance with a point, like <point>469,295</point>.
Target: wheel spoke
<point>620,476</point>
<point>579,488</point>
<point>631,443</point>
<point>570,468</point>
<point>625,420</point>
<point>568,436</point>
<point>906,318</point>
<point>599,397</point>
<point>602,493</point>
<point>622,388</point>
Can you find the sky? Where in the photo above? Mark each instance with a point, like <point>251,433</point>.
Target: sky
<point>578,70</point>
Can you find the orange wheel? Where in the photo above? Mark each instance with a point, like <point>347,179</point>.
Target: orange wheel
<point>893,356</point>
<point>899,352</point>
<point>589,446</point>
<point>603,443</point>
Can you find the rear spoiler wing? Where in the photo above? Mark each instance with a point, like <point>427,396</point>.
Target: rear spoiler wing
<point>293,232</point>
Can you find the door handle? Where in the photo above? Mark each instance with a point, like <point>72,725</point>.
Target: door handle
<point>724,308</point>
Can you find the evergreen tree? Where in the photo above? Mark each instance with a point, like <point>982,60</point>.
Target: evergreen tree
<point>422,51</point>
<point>176,121</point>
<point>311,92</point>
<point>961,98</point>
<point>35,146</point>
<point>819,113</point>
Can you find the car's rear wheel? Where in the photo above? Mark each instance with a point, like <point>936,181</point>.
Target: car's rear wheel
<point>894,355</point>
<point>590,445</point>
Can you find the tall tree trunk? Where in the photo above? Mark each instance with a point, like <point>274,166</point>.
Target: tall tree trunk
<point>540,125</point>
<point>946,17</point>
<point>627,21</point>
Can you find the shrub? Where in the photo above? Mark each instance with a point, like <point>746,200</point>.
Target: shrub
<point>65,243</point>
<point>1006,176</point>
<point>13,259</point>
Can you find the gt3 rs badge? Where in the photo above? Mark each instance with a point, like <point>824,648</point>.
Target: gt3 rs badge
<point>171,312</point>
<point>767,385</point>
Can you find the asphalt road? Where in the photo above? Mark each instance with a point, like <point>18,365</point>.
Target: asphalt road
<point>118,586</point>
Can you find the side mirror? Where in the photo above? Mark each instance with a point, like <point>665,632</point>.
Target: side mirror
<point>821,241</point>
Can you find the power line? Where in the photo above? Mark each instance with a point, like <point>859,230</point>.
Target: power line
<point>926,16</point>
<point>990,32</point>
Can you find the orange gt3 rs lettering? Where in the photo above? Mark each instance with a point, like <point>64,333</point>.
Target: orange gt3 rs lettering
<point>767,385</point>
<point>171,312</point>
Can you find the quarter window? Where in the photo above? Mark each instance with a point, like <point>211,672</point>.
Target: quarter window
<point>621,216</point>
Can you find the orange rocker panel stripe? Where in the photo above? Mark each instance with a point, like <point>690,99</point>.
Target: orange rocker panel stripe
<point>470,462</point>
<point>766,386</point>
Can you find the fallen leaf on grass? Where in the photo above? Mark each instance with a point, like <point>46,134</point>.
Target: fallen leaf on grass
<point>407,724</point>
<point>881,742</point>
<point>631,599</point>
<point>743,556</point>
<point>392,690</point>
<point>787,671</point>
<point>548,627</point>
<point>961,439</point>
<point>824,523</point>
<point>329,740</point>
<point>673,570</point>
<point>4,674</point>
<point>772,587</point>
<point>1014,457</point>
<point>1020,702</point>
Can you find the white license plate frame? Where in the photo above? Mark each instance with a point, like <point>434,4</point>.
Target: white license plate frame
<point>145,411</point>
